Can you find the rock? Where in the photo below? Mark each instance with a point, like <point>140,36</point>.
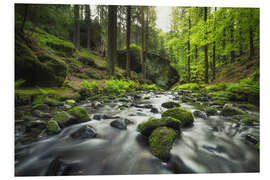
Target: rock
<point>119,124</point>
<point>230,110</point>
<point>84,132</point>
<point>42,107</point>
<point>98,117</point>
<point>29,118</point>
<point>251,139</point>
<point>41,114</point>
<point>147,127</point>
<point>87,61</point>
<point>247,120</point>
<point>154,110</point>
<point>39,124</point>
<point>79,114</point>
<point>210,111</point>
<point>62,118</point>
<point>185,116</point>
<point>200,114</point>
<point>58,168</point>
<point>161,142</point>
<point>67,107</point>
<point>170,104</point>
<point>70,102</point>
<point>137,97</point>
<point>44,70</point>
<point>53,127</point>
<point>128,122</point>
<point>147,106</point>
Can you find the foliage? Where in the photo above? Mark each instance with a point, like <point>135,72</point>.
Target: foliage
<point>79,113</point>
<point>88,89</point>
<point>188,86</point>
<point>116,87</point>
<point>149,87</point>
<point>19,83</point>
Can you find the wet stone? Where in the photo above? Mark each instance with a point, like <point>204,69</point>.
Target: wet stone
<point>154,110</point>
<point>200,114</point>
<point>119,124</point>
<point>84,132</point>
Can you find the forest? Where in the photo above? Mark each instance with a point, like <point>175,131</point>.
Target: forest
<point>105,89</point>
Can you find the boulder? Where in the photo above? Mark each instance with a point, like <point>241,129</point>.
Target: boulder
<point>147,127</point>
<point>200,114</point>
<point>185,116</point>
<point>84,132</point>
<point>42,107</point>
<point>170,104</point>
<point>119,124</point>
<point>230,110</point>
<point>210,111</point>
<point>161,142</point>
<point>79,114</point>
<point>62,118</point>
<point>53,127</point>
<point>41,114</point>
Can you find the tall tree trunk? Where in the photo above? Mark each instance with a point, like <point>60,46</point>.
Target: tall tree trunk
<point>112,40</point>
<point>142,36</point>
<point>77,26</point>
<point>128,41</point>
<point>25,16</point>
<point>146,29</point>
<point>188,44</point>
<point>205,52</point>
<point>214,51</point>
<point>232,42</point>
<point>196,53</point>
<point>88,21</point>
<point>251,46</point>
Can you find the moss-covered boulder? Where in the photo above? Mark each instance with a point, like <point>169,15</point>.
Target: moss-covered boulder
<point>79,114</point>
<point>147,127</point>
<point>210,111</point>
<point>44,70</point>
<point>230,110</point>
<point>53,127</point>
<point>161,142</point>
<point>62,118</point>
<point>170,104</point>
<point>185,116</point>
<point>247,120</point>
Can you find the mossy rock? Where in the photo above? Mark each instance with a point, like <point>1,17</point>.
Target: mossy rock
<point>230,110</point>
<point>219,102</point>
<point>79,113</point>
<point>61,118</point>
<point>161,142</point>
<point>62,48</point>
<point>87,61</point>
<point>170,104</point>
<point>147,127</point>
<point>258,145</point>
<point>46,71</point>
<point>210,111</point>
<point>247,120</point>
<point>185,116</point>
<point>53,127</point>
<point>249,107</point>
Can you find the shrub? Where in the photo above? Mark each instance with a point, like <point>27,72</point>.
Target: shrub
<point>88,89</point>
<point>116,87</point>
<point>188,86</point>
<point>149,87</point>
<point>18,83</point>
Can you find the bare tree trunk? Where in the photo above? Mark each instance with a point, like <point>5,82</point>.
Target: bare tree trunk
<point>251,46</point>
<point>112,40</point>
<point>205,52</point>
<point>188,44</point>
<point>77,26</point>
<point>214,51</point>
<point>142,36</point>
<point>25,16</point>
<point>128,41</point>
<point>88,21</point>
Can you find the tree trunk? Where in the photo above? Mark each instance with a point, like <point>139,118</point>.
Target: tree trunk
<point>142,54</point>
<point>88,21</point>
<point>232,42</point>
<point>205,52</point>
<point>188,44</point>
<point>77,26</point>
<point>251,50</point>
<point>112,40</point>
<point>214,51</point>
<point>25,16</point>
<point>128,41</point>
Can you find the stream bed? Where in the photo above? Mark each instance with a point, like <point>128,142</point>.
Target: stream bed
<point>211,145</point>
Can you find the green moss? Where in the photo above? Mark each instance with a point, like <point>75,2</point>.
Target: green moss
<point>210,111</point>
<point>247,120</point>
<point>79,113</point>
<point>230,110</point>
<point>250,107</point>
<point>148,126</point>
<point>53,127</point>
<point>188,86</point>
<point>185,116</point>
<point>258,145</point>
<point>216,87</point>
<point>161,142</point>
<point>170,104</point>
<point>61,118</point>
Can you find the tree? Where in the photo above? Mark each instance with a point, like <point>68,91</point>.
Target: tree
<point>128,40</point>
<point>112,39</point>
<point>77,26</point>
<point>143,43</point>
<point>88,22</point>
<point>205,51</point>
<point>188,46</point>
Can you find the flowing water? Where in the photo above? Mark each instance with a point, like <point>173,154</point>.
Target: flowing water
<point>215,144</point>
